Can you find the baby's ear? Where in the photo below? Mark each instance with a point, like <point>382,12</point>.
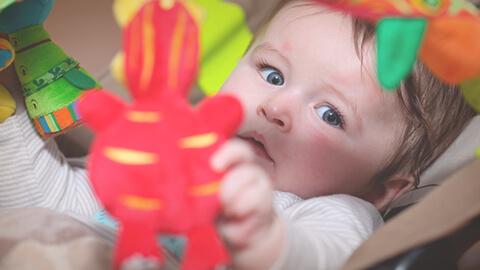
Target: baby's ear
<point>383,194</point>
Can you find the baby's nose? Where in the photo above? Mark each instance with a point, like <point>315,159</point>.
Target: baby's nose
<point>278,116</point>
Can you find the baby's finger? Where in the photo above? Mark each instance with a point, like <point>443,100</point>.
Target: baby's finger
<point>256,199</point>
<point>232,152</point>
<point>236,182</point>
<point>244,183</point>
<point>237,233</point>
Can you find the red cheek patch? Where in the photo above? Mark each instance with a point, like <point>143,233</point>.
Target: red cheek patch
<point>286,46</point>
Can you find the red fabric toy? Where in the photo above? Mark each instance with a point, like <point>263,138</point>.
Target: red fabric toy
<point>149,164</point>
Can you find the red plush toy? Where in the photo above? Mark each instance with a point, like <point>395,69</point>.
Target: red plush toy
<point>149,164</point>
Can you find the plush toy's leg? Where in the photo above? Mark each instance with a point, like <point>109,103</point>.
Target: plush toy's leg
<point>137,240</point>
<point>205,250</point>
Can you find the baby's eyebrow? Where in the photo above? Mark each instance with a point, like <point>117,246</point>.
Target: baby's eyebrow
<point>268,47</point>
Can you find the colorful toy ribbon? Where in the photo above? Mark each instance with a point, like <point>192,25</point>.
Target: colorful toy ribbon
<point>444,34</point>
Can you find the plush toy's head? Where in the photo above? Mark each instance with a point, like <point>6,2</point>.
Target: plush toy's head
<point>158,62</point>
<point>24,14</point>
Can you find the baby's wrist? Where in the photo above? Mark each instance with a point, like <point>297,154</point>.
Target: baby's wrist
<point>265,250</point>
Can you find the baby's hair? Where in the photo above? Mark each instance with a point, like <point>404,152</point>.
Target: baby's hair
<point>435,114</point>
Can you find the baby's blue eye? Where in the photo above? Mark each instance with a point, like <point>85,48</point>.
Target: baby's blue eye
<point>330,116</point>
<point>272,76</point>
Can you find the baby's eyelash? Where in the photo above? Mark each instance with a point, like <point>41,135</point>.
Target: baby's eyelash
<point>343,124</point>
<point>262,63</point>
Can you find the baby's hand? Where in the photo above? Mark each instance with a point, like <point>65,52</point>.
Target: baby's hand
<point>249,224</point>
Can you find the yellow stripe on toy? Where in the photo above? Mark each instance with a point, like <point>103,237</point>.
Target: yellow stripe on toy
<point>478,153</point>
<point>141,203</point>
<point>129,156</point>
<point>143,117</point>
<point>148,49</point>
<point>176,48</point>
<point>7,104</point>
<point>206,189</point>
<point>199,141</point>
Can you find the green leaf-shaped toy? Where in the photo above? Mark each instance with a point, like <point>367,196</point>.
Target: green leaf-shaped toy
<point>471,92</point>
<point>224,38</point>
<point>398,41</point>
<point>5,3</point>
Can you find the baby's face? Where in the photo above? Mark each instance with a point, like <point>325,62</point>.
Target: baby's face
<point>316,117</point>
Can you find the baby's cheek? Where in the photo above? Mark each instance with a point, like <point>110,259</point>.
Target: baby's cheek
<point>335,165</point>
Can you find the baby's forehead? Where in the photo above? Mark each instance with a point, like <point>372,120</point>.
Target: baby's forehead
<point>312,21</point>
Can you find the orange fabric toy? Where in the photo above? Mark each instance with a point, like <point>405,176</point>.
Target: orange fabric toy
<point>444,33</point>
<point>149,164</point>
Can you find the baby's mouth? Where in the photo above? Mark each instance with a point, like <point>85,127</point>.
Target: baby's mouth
<point>257,144</point>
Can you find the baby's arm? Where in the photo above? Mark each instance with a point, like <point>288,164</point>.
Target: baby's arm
<point>249,225</point>
<point>319,233</point>
<point>34,173</point>
<point>323,232</point>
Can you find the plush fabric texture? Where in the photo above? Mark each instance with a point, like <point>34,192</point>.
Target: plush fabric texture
<point>149,163</point>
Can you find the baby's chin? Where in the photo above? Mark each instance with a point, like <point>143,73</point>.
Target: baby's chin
<point>268,166</point>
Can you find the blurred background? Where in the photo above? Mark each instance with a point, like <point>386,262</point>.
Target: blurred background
<point>87,31</point>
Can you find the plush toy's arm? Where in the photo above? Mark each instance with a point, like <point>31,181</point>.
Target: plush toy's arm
<point>224,113</point>
<point>98,108</point>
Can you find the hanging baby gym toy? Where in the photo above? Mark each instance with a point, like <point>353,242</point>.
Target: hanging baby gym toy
<point>445,34</point>
<point>7,103</point>
<point>7,54</point>
<point>149,163</point>
<point>52,82</point>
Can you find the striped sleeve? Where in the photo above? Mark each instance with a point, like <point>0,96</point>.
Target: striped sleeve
<point>323,232</point>
<point>34,173</point>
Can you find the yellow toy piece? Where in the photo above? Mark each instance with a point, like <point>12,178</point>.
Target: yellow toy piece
<point>7,104</point>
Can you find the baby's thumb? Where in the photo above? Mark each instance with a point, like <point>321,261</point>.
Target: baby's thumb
<point>230,153</point>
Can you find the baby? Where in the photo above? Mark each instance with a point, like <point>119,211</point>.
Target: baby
<point>319,124</point>
<point>318,129</point>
